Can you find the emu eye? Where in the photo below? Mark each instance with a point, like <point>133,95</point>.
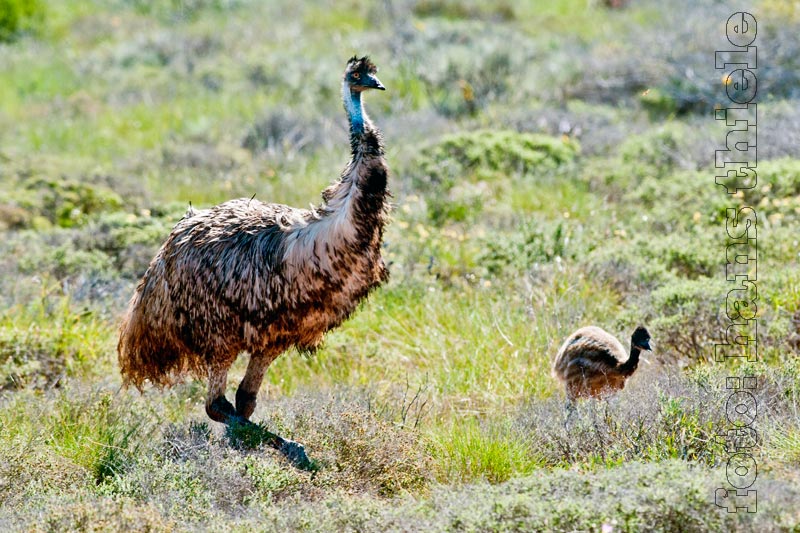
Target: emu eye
<point>356,75</point>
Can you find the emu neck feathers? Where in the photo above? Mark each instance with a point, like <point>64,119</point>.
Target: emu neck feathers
<point>353,212</point>
<point>355,111</point>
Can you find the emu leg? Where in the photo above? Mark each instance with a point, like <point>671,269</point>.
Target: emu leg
<point>247,392</point>
<point>246,396</point>
<point>218,408</point>
<point>570,408</point>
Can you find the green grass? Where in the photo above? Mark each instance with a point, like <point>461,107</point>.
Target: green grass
<point>472,452</point>
<point>95,434</point>
<point>48,340</point>
<point>468,340</point>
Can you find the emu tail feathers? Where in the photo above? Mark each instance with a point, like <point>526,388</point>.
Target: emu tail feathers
<point>145,352</point>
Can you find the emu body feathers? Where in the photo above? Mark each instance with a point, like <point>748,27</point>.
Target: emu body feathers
<point>247,276</point>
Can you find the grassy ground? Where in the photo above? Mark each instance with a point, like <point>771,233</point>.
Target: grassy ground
<point>550,168</point>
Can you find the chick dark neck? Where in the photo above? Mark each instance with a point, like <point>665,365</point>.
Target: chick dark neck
<point>629,366</point>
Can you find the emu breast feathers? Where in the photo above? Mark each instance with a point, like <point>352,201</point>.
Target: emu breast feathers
<point>234,259</point>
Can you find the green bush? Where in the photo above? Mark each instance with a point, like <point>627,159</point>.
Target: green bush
<point>650,156</point>
<point>619,265</point>
<point>114,243</point>
<point>462,172</point>
<point>518,251</point>
<point>640,264</point>
<point>481,151</point>
<point>678,199</point>
<point>687,255</point>
<point>67,203</point>
<point>675,96</point>
<point>475,63</point>
<point>59,257</point>
<point>39,200</point>
<point>127,240</point>
<point>658,102</point>
<point>20,16</point>
<point>689,316</point>
<point>777,190</point>
<point>658,151</point>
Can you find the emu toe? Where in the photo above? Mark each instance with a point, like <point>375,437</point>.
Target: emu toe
<point>296,453</point>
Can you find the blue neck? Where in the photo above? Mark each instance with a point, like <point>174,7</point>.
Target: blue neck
<point>355,112</point>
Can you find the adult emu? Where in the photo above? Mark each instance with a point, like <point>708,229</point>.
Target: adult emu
<point>589,363</point>
<point>247,276</point>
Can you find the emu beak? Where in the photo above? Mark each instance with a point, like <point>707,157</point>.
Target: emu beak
<point>375,83</point>
<point>646,346</point>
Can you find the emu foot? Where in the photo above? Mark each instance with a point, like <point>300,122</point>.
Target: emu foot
<point>220,410</point>
<point>246,434</point>
<point>296,453</point>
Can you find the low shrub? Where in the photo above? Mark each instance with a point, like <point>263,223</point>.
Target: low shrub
<point>460,173</point>
<point>619,264</point>
<point>520,250</point>
<point>92,513</point>
<point>109,245</point>
<point>353,447</point>
<point>176,10</point>
<point>635,266</point>
<point>20,16</point>
<point>657,149</point>
<point>128,241</point>
<point>501,11</point>
<point>689,318</point>
<point>59,201</point>
<point>635,496</point>
<point>475,63</point>
<point>472,153</point>
<point>662,414</point>
<point>42,344</point>
<point>777,188</point>
<point>13,217</point>
<point>64,261</point>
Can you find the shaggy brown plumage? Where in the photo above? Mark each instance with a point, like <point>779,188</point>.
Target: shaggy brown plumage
<point>247,276</point>
<point>589,363</point>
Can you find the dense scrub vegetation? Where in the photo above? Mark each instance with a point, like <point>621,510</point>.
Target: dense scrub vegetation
<point>551,168</point>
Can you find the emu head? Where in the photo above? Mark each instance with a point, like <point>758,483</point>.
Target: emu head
<point>360,75</point>
<point>641,338</point>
